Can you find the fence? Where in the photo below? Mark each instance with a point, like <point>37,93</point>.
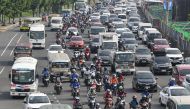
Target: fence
<point>176,38</point>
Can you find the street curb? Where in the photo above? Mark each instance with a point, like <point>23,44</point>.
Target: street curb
<point>5,28</point>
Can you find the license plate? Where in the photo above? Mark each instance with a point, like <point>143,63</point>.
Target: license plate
<point>147,87</point>
<point>143,61</point>
<point>22,94</point>
<point>163,70</point>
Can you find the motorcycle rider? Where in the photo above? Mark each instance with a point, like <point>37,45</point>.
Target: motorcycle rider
<point>92,67</point>
<point>77,103</point>
<point>99,61</point>
<point>83,68</point>
<point>121,93</point>
<point>142,100</point>
<point>98,75</point>
<point>91,92</point>
<point>120,77</point>
<point>108,96</point>
<point>134,103</point>
<point>45,74</point>
<point>113,80</point>
<point>74,75</point>
<point>58,83</point>
<point>106,82</point>
<point>75,84</point>
<point>87,50</point>
<point>95,58</point>
<point>145,92</point>
<point>172,82</point>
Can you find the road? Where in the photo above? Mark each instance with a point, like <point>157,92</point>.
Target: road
<point>7,43</point>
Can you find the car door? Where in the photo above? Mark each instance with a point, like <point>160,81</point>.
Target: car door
<point>162,94</point>
<point>166,96</point>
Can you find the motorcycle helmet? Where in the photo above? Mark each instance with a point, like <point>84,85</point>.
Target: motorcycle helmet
<point>144,96</point>
<point>87,46</point>
<point>73,70</point>
<point>114,75</point>
<point>97,105</point>
<point>108,90</point>
<point>95,55</point>
<point>77,99</point>
<point>134,97</point>
<point>120,87</point>
<point>173,79</point>
<point>75,80</point>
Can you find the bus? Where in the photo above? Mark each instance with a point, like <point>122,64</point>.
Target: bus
<point>37,35</point>
<point>23,77</point>
<point>27,21</point>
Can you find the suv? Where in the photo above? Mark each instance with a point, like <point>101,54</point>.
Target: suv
<point>124,62</point>
<point>151,35</point>
<point>180,71</point>
<point>161,64</point>
<point>175,55</point>
<point>178,102</point>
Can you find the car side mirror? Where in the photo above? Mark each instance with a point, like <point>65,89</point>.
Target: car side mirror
<point>45,35</point>
<point>156,78</point>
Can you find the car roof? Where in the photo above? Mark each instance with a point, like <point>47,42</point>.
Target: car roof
<point>181,99</point>
<point>37,94</point>
<point>175,87</point>
<point>183,66</point>
<point>161,57</point>
<point>160,39</point>
<point>145,71</point>
<point>171,49</point>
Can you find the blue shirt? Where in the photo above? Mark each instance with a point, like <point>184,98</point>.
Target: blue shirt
<point>75,85</point>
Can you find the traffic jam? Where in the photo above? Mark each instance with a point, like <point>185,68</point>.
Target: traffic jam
<point>95,51</point>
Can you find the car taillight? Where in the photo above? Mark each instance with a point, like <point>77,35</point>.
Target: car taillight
<point>13,85</point>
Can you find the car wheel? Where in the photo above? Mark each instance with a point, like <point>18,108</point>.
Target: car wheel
<point>160,101</point>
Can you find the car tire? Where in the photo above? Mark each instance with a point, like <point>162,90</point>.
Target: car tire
<point>160,101</point>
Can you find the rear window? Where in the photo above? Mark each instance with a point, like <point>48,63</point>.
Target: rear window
<point>122,16</point>
<point>184,72</point>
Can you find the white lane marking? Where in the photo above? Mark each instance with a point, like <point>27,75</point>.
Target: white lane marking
<point>9,44</point>
<point>16,44</point>
<point>2,70</point>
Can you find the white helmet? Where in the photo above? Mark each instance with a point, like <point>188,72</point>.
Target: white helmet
<point>172,78</point>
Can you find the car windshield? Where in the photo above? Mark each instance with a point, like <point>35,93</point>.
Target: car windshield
<point>173,52</point>
<point>119,25</point>
<point>124,57</point>
<point>96,40</point>
<point>37,35</point>
<point>60,65</point>
<point>142,28</point>
<point>122,16</point>
<point>142,51</point>
<point>76,39</point>
<point>103,17</point>
<point>113,16</point>
<point>96,31</point>
<point>127,35</point>
<point>144,76</point>
<point>179,92</point>
<point>56,21</point>
<point>23,76</point>
<point>134,20</point>
<point>153,36</point>
<point>104,53</point>
<point>109,45</point>
<point>55,48</point>
<point>117,19</point>
<point>184,72</point>
<point>38,99</point>
<point>162,60</point>
<point>22,49</point>
<point>187,79</point>
<point>129,41</point>
<point>187,60</point>
<point>161,42</point>
<point>183,106</point>
<point>120,31</point>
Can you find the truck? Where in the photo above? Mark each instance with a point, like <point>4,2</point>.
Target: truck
<point>108,40</point>
<point>37,35</point>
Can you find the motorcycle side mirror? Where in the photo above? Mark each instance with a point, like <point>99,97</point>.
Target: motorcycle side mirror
<point>37,76</point>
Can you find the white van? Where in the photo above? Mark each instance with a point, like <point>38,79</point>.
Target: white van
<point>37,35</point>
<point>56,23</point>
<point>141,27</point>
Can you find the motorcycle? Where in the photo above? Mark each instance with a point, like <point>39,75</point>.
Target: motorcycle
<point>145,105</point>
<point>58,88</point>
<point>78,106</point>
<point>114,89</point>
<point>75,92</point>
<point>87,79</point>
<point>45,81</point>
<point>120,104</point>
<point>99,85</point>
<point>92,102</point>
<point>148,100</point>
<point>58,41</point>
<point>83,69</point>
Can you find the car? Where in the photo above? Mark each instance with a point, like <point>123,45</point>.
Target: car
<point>118,24</point>
<point>95,30</point>
<point>117,20</point>
<point>161,65</point>
<point>135,27</point>
<point>151,35</point>
<point>36,100</point>
<point>171,91</point>
<point>145,32</point>
<point>112,16</point>
<point>104,19</point>
<point>186,82</point>
<point>118,10</point>
<point>131,21</point>
<point>55,48</point>
<point>76,42</point>
<point>94,44</point>
<point>143,56</point>
<point>119,31</point>
<point>159,45</point>
<point>94,20</point>
<point>106,56</point>
<point>144,80</point>
<point>123,17</point>
<point>175,55</point>
<point>129,41</point>
<point>180,71</point>
<point>141,27</point>
<point>178,102</point>
<point>187,60</point>
<point>126,35</point>
<point>72,29</point>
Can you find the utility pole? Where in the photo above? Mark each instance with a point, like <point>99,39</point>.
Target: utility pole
<point>167,12</point>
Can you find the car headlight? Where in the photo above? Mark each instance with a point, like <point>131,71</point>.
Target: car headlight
<point>154,82</point>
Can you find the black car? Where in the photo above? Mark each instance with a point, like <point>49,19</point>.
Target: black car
<point>161,65</point>
<point>106,57</point>
<point>144,80</point>
<point>94,45</point>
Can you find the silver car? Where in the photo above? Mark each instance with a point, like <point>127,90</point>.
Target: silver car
<point>143,56</point>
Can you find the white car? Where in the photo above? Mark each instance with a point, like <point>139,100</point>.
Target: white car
<point>167,92</point>
<point>186,82</point>
<point>175,55</point>
<point>54,48</point>
<point>123,17</point>
<point>35,100</point>
<point>72,29</point>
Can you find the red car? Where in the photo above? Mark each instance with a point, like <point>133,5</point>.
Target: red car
<point>159,45</point>
<point>180,71</point>
<point>76,42</point>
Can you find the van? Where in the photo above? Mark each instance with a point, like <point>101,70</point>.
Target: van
<point>56,23</point>
<point>23,50</point>
<point>151,35</point>
<point>141,27</point>
<point>59,66</point>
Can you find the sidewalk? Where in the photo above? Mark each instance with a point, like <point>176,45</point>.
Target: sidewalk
<point>8,26</point>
